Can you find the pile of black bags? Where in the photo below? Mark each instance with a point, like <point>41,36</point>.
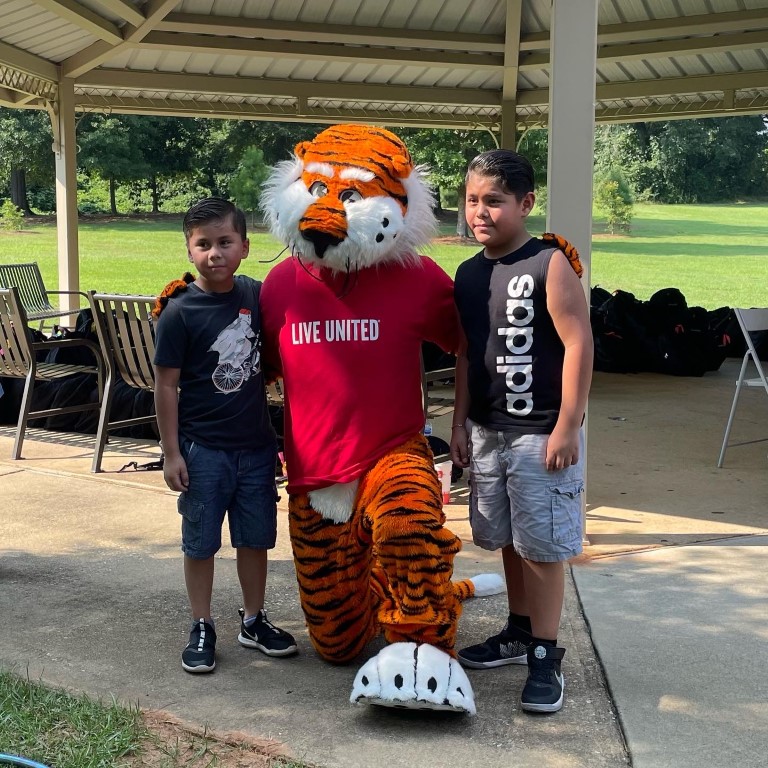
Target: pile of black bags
<point>662,334</point>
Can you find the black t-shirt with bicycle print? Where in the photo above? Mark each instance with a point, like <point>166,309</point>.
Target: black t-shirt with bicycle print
<point>215,340</point>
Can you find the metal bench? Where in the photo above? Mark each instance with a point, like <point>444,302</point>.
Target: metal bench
<point>124,327</point>
<point>34,296</point>
<point>18,359</point>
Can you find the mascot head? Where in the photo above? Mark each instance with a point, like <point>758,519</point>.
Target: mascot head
<point>351,198</point>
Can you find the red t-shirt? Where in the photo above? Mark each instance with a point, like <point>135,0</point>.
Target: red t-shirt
<point>349,353</point>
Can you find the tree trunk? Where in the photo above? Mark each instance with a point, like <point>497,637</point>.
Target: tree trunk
<point>155,195</point>
<point>19,190</point>
<point>461,222</point>
<point>438,202</point>
<point>112,203</point>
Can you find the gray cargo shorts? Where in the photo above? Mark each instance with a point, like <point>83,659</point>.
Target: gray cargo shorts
<point>515,500</point>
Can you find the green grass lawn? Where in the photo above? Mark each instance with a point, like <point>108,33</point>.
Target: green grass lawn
<point>61,730</point>
<point>716,254</point>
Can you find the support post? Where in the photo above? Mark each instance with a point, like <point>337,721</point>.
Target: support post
<point>65,150</point>
<point>511,65</point>
<point>573,63</point>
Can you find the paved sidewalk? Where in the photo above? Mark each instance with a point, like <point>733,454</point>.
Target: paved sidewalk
<point>682,633</point>
<point>672,585</point>
<point>92,598</point>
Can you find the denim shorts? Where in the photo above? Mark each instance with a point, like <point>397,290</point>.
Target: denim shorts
<point>515,500</point>
<point>240,484</point>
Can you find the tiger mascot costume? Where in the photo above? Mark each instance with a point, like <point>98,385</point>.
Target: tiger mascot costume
<point>343,320</point>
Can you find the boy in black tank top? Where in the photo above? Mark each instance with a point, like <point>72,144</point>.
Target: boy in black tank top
<point>522,382</point>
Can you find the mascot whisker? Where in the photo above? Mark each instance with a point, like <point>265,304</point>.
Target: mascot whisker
<point>343,321</point>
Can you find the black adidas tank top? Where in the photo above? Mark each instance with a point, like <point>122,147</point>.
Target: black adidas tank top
<point>515,354</point>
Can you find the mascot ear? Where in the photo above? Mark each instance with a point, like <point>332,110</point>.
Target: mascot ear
<point>403,165</point>
<point>302,148</point>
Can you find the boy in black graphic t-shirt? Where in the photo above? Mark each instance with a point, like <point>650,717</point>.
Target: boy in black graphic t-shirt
<point>522,382</point>
<point>219,445</point>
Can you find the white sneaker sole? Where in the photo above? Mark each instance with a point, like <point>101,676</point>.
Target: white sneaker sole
<point>199,669</point>
<point>491,664</point>
<point>554,707</point>
<point>246,642</point>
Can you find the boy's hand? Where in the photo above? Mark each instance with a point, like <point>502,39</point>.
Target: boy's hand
<point>562,448</point>
<point>175,473</point>
<point>460,447</point>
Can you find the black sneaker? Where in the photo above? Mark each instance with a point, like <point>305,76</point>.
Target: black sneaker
<point>200,653</point>
<point>265,636</point>
<point>508,647</point>
<point>544,688</point>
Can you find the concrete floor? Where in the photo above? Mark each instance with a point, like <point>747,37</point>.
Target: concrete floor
<point>93,599</point>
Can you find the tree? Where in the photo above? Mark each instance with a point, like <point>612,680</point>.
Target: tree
<point>108,149</point>
<point>446,154</point>
<point>246,183</point>
<point>26,156</point>
<point>169,148</point>
<point>689,161</point>
<point>276,140</point>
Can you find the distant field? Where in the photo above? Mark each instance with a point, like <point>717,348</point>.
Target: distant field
<point>716,254</point>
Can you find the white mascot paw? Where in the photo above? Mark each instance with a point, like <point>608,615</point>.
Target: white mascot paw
<point>415,677</point>
<point>488,584</point>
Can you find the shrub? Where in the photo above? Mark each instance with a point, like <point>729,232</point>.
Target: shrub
<point>613,198</point>
<point>11,217</point>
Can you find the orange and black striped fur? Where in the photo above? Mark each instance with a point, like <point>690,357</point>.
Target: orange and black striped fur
<point>174,288</point>
<point>388,568</point>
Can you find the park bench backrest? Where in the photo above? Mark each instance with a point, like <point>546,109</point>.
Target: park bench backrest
<point>124,325</point>
<point>16,355</point>
<point>28,281</point>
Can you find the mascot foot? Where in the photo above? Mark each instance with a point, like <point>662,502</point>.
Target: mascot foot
<point>414,677</point>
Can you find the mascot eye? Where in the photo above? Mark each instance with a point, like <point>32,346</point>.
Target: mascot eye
<point>318,189</point>
<point>350,196</point>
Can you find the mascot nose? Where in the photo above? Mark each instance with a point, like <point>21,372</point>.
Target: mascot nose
<point>320,239</point>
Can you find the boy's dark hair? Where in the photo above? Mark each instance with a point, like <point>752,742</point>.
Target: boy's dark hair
<point>514,171</point>
<point>213,209</point>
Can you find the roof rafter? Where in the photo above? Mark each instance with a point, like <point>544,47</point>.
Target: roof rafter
<point>124,10</point>
<point>28,62</point>
<point>697,109</point>
<point>98,53</point>
<point>84,18</point>
<point>366,92</point>
<point>295,112</point>
<point>266,29</point>
<point>166,41</point>
<point>661,29</point>
<point>678,47</point>
<point>670,86</point>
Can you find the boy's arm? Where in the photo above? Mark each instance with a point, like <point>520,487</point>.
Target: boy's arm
<point>568,307</point>
<point>459,436</point>
<point>167,408</point>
